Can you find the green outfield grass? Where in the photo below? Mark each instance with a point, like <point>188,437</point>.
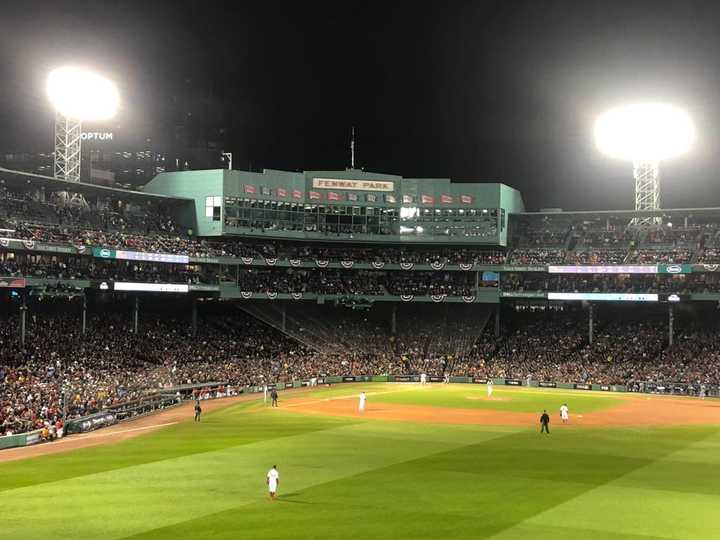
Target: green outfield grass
<point>353,478</point>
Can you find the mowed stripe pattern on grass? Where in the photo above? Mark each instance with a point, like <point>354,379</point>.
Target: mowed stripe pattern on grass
<point>503,487</point>
<point>123,501</point>
<point>350,478</point>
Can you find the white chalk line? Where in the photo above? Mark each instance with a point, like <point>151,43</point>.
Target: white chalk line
<point>111,433</point>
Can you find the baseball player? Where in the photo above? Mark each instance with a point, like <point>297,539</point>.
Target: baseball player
<point>564,413</point>
<point>545,423</point>
<point>489,387</point>
<point>423,378</point>
<point>273,480</point>
<point>361,404</point>
<point>198,410</point>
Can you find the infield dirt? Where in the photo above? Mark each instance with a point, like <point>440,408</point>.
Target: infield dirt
<point>633,411</point>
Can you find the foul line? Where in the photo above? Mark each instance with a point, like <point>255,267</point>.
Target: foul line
<point>110,433</point>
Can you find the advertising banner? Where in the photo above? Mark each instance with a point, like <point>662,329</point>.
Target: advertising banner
<point>620,269</point>
<point>151,287</point>
<point>523,294</point>
<point>103,253</point>
<point>676,268</point>
<point>546,384</point>
<point>513,382</point>
<point>604,297</point>
<point>579,386</point>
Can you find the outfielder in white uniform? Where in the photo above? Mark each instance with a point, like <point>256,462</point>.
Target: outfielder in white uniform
<point>423,378</point>
<point>489,387</point>
<point>361,405</point>
<point>564,413</point>
<point>273,480</point>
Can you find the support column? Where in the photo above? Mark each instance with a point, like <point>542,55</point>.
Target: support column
<point>393,320</point>
<point>497,321</point>
<point>135,314</point>
<point>237,275</point>
<point>671,323</point>
<point>477,284</point>
<point>591,323</point>
<point>84,314</point>
<point>194,316</point>
<point>23,316</point>
<point>284,317</point>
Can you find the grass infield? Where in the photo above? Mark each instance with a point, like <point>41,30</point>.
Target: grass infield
<point>358,478</point>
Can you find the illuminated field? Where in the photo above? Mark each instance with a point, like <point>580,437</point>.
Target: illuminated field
<point>348,475</point>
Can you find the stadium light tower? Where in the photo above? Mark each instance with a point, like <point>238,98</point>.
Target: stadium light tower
<point>645,134</point>
<point>77,95</point>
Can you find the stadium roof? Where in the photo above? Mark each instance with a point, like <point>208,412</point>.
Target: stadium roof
<point>57,184</point>
<point>623,213</point>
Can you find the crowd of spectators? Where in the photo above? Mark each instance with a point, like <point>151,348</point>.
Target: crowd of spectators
<point>61,373</point>
<point>615,283</point>
<point>556,348</point>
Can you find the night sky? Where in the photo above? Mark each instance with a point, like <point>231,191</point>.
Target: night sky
<point>485,91</point>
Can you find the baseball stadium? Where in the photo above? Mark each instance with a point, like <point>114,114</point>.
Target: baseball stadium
<point>356,270</point>
<point>376,350</point>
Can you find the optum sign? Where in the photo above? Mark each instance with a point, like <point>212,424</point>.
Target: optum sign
<point>97,136</point>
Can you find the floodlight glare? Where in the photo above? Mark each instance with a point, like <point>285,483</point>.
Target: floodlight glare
<point>82,95</point>
<point>77,95</point>
<point>644,132</point>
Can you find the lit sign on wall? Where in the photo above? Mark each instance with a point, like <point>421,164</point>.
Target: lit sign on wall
<point>151,287</point>
<point>604,297</point>
<point>104,253</point>
<point>625,269</point>
<point>362,185</point>
<point>152,257</point>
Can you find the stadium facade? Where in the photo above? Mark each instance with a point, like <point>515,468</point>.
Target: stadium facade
<point>509,251</point>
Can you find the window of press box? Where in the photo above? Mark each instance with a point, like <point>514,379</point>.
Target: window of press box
<point>213,207</point>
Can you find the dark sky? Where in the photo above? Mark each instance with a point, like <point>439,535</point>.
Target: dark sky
<point>487,91</point>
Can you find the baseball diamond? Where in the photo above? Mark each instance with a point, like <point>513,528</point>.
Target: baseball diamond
<point>422,461</point>
<point>359,270</point>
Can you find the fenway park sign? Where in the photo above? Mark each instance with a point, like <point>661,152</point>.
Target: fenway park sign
<point>354,185</point>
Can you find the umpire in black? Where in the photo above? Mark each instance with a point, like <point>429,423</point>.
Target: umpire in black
<point>545,423</point>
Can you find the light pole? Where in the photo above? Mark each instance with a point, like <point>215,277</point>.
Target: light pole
<point>228,156</point>
<point>77,96</point>
<point>645,134</point>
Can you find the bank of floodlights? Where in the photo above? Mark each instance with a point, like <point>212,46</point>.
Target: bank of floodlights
<point>77,95</point>
<point>645,134</point>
